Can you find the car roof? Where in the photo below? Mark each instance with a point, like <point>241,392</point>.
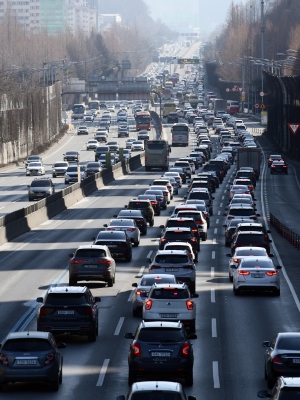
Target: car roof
<point>250,232</point>
<point>156,385</point>
<point>166,252</point>
<point>67,289</point>
<point>28,334</point>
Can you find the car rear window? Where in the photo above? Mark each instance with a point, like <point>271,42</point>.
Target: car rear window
<point>72,299</point>
<point>252,228</point>
<point>243,212</point>
<point>179,232</point>
<point>291,343</point>
<point>130,214</point>
<point>111,235</point>
<point>160,335</point>
<point>149,281</point>
<point>26,345</point>
<point>171,259</point>
<point>138,204</point>
<point>199,195</point>
<point>252,252</point>
<point>251,238</point>
<point>90,253</point>
<point>169,293</point>
<point>195,215</point>
<point>177,223</point>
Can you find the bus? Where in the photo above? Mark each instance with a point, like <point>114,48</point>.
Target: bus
<point>143,120</point>
<point>233,107</point>
<point>78,111</point>
<point>180,134</point>
<point>193,100</point>
<point>157,154</point>
<point>169,106</point>
<point>94,105</point>
<point>167,93</point>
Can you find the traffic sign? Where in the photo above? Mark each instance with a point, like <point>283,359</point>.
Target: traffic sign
<point>159,90</point>
<point>261,94</point>
<point>262,106</point>
<point>294,128</point>
<point>243,93</point>
<point>188,61</point>
<point>240,89</point>
<point>233,89</point>
<point>227,90</point>
<point>243,97</point>
<point>256,105</point>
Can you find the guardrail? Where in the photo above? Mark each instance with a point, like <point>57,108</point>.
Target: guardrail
<point>285,232</point>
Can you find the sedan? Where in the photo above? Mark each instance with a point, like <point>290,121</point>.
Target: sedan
<point>129,226</point>
<point>92,144</point>
<point>279,166</point>
<point>35,168</point>
<point>274,157</point>
<point>71,156</point>
<point>93,168</point>
<point>282,357</point>
<point>238,189</point>
<point>143,135</point>
<point>129,143</point>
<point>137,145</point>
<point>59,168</point>
<point>256,273</point>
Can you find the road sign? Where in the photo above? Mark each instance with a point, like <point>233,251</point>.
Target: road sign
<point>159,90</point>
<point>188,61</point>
<point>240,89</point>
<point>256,105</point>
<point>294,128</point>
<point>243,93</point>
<point>227,90</point>
<point>233,89</point>
<point>262,106</point>
<point>261,94</point>
<point>243,97</point>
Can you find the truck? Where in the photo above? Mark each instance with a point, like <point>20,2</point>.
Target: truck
<point>157,154</point>
<point>220,105</point>
<point>249,157</point>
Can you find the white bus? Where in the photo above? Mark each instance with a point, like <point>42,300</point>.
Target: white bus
<point>180,134</point>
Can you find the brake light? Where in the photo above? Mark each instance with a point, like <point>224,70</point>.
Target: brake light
<point>166,193</point>
<point>193,239</point>
<point>74,261</point>
<point>190,305</point>
<point>43,312</point>
<point>88,311</point>
<point>272,166</point>
<point>271,273</point>
<point>105,262</point>
<point>140,220</point>
<point>244,273</point>
<point>277,360</point>
<point>230,217</point>
<point>161,198</point>
<point>250,186</point>
<point>136,348</point>
<point>194,230</point>
<point>169,186</point>
<point>131,229</point>
<point>154,267</point>
<point>110,229</point>
<point>49,359</point>
<point>148,304</point>
<point>153,202</point>
<point>199,222</point>
<point>188,266</point>
<point>185,349</point>
<point>3,359</point>
<point>163,239</point>
<point>253,217</point>
<point>236,260</point>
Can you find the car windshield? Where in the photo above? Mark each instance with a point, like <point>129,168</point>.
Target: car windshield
<point>156,395</point>
<point>171,259</point>
<point>119,222</point>
<point>138,204</point>
<point>74,168</point>
<point>199,195</point>
<point>41,183</point>
<point>169,293</point>
<point>111,235</point>
<point>60,165</point>
<point>289,343</point>
<point>72,299</point>
<point>93,165</point>
<point>26,345</point>
<point>35,164</point>
<point>90,253</point>
<point>33,158</point>
<point>161,335</point>
<point>71,153</point>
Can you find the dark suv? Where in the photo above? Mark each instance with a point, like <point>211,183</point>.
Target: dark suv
<point>179,234</point>
<point>161,348</point>
<point>154,201</point>
<point>250,238</point>
<point>118,242</point>
<point>69,309</point>
<point>40,188</point>
<point>186,222</point>
<point>144,206</point>
<point>137,216</point>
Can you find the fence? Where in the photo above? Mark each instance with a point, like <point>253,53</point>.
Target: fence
<point>285,232</point>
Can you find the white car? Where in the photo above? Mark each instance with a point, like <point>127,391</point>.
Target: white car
<point>174,302</point>
<point>129,143</point>
<point>137,145</point>
<point>35,168</point>
<point>92,144</point>
<point>128,226</point>
<point>59,168</point>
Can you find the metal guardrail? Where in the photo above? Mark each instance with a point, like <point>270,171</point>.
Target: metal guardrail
<point>285,232</point>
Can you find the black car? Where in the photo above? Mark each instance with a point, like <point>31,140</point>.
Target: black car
<point>159,197</point>
<point>69,309</point>
<point>210,178</point>
<point>40,188</point>
<point>154,201</point>
<point>145,206</point>
<point>100,150</point>
<point>230,229</point>
<point>71,156</point>
<point>279,166</point>
<point>161,349</point>
<point>178,234</point>
<point>215,169</point>
<point>172,118</point>
<point>282,356</point>
<point>186,222</point>
<point>93,168</point>
<point>118,242</point>
<point>137,216</point>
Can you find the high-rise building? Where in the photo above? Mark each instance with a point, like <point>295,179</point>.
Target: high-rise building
<point>53,15</point>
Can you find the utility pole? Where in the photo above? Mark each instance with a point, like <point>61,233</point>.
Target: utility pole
<point>262,37</point>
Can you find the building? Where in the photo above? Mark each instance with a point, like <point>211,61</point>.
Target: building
<point>53,15</point>
<point>106,21</point>
<point>81,17</point>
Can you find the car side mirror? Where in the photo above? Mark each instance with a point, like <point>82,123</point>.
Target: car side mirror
<point>228,255</point>
<point>270,241</point>
<point>271,255</point>
<point>192,336</point>
<point>258,215</point>
<point>72,254</point>
<point>233,266</point>
<point>195,295</point>
<point>185,197</point>
<point>213,198</point>
<point>134,284</point>
<point>97,299</point>
<point>266,344</point>
<point>268,231</point>
<point>263,394</point>
<point>28,186</point>
<point>61,345</point>
<point>122,397</point>
<point>105,225</point>
<point>278,267</point>
<point>115,216</point>
<point>128,336</point>
<point>39,300</point>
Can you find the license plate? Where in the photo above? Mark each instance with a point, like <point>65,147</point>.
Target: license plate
<point>257,275</point>
<point>160,354</point>
<point>112,245</point>
<point>172,269</point>
<point>90,266</point>
<point>26,362</point>
<point>296,360</point>
<point>169,315</point>
<point>64,312</point>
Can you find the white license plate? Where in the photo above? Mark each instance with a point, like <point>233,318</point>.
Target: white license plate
<point>26,362</point>
<point>160,354</point>
<point>172,269</point>
<point>296,360</point>
<point>64,312</point>
<point>90,266</point>
<point>112,245</point>
<point>169,315</point>
<point>257,275</point>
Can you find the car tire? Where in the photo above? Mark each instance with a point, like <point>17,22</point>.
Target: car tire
<point>110,282</point>
<point>193,326</point>
<point>72,281</point>
<point>266,375</point>
<point>151,223</point>
<point>236,292</point>
<point>60,379</point>
<point>165,207</point>
<point>136,243</point>
<point>204,237</point>
<point>53,176</point>
<point>147,169</point>
<point>270,382</point>
<point>230,277</point>
<point>131,377</point>
<point>193,288</point>
<point>276,292</point>
<point>55,385</point>
<point>66,182</point>
<point>128,258</point>
<point>158,213</point>
<point>144,232</point>
<point>92,335</point>
<point>189,378</point>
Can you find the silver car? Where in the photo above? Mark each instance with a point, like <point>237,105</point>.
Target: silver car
<point>59,168</point>
<point>256,273</point>
<point>143,287</point>
<point>129,226</point>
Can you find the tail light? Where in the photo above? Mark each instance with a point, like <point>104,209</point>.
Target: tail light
<point>131,229</point>
<point>74,261</point>
<point>193,239</point>
<point>88,311</point>
<point>148,304</point>
<point>271,273</point>
<point>166,193</point>
<point>190,305</point>
<point>104,262</point>
<point>253,217</point>
<point>200,222</point>
<point>251,187</point>
<point>236,260</point>
<point>140,220</point>
<point>3,359</point>
<point>284,166</point>
<point>43,312</point>
<point>110,229</point>
<point>154,267</point>
<point>163,239</point>
<point>185,349</point>
<point>136,348</point>
<point>244,273</point>
<point>194,230</point>
<point>49,359</point>
<point>277,360</point>
<point>154,202</point>
<point>230,217</point>
<point>169,186</point>
<point>188,266</point>
<point>161,198</point>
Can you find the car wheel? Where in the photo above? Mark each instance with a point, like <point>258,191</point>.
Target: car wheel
<point>276,292</point>
<point>135,312</point>
<point>158,213</point>
<point>110,282</point>
<point>128,258</point>
<point>270,382</point>
<point>193,326</point>
<point>92,335</point>
<point>230,277</point>
<point>151,223</point>
<point>266,375</point>
<point>226,243</point>
<point>144,232</point>
<point>189,378</point>
<point>53,176</point>
<point>136,243</point>
<point>208,224</point>
<point>55,385</point>
<point>66,182</point>
<point>236,291</point>
<point>131,377</point>
<point>193,288</point>
<point>72,281</point>
<point>204,237</point>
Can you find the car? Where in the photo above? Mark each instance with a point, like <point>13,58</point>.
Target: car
<point>118,243</point>
<point>285,388</point>
<point>243,253</point>
<point>127,225</point>
<point>31,356</point>
<point>137,145</point>
<point>144,206</point>
<point>101,137</point>
<point>71,156</point>
<point>88,118</point>
<point>152,198</point>
<point>163,182</point>
<point>174,302</point>
<point>82,130</point>
<point>256,273</point>
<point>200,205</point>
<point>252,226</point>
<point>62,310</point>
<point>279,166</point>
<point>185,165</point>
<point>174,175</point>
<point>202,194</point>
<point>174,184</point>
<point>129,143</point>
<point>282,357</point>
<point>93,168</point>
<point>177,262</point>
<point>142,289</point>
<point>161,348</point>
<point>238,189</point>
<point>71,174</point>
<point>123,131</point>
<point>40,188</point>
<point>274,157</point>
<point>33,159</point>
<point>59,168</point>
<point>92,144</point>
<point>104,124</point>
<point>138,216</point>
<point>199,220</point>
<point>35,168</point>
<point>143,135</point>
<point>103,160</point>
<point>180,234</point>
<point>113,146</point>
<point>159,194</point>
<point>92,263</point>
<point>172,118</point>
<point>180,171</point>
<point>165,191</point>
<point>122,116</point>
<point>126,154</point>
<point>230,228</point>
<point>241,211</point>
<point>244,181</point>
<point>250,238</point>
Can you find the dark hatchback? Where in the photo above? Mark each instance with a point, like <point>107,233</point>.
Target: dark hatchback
<point>179,234</point>
<point>230,228</point>
<point>71,156</point>
<point>69,309</point>
<point>250,238</point>
<point>162,350</point>
<point>118,242</point>
<point>93,168</point>
<point>137,216</point>
<point>186,222</point>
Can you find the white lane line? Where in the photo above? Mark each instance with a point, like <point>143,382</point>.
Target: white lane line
<point>214,240</point>
<point>221,204</point>
<point>213,327</point>
<point>119,326</point>
<point>217,221</point>
<point>212,295</point>
<point>103,372</point>
<point>219,212</point>
<point>223,197</point>
<point>215,230</point>
<point>141,270</point>
<point>212,272</point>
<point>131,295</point>
<point>216,375</point>
<point>149,254</point>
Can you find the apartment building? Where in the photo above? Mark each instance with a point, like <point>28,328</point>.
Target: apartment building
<point>106,21</point>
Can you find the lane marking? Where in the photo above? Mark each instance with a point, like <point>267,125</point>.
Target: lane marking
<point>212,295</point>
<point>141,270</point>
<point>131,295</point>
<point>223,197</point>
<point>219,212</point>
<point>215,230</point>
<point>213,327</point>
<point>221,204</point>
<point>212,272</point>
<point>213,254</point>
<point>217,221</point>
<point>216,375</point>
<point>103,372</point>
<point>214,240</point>
<point>149,254</point>
<point>119,326</point>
